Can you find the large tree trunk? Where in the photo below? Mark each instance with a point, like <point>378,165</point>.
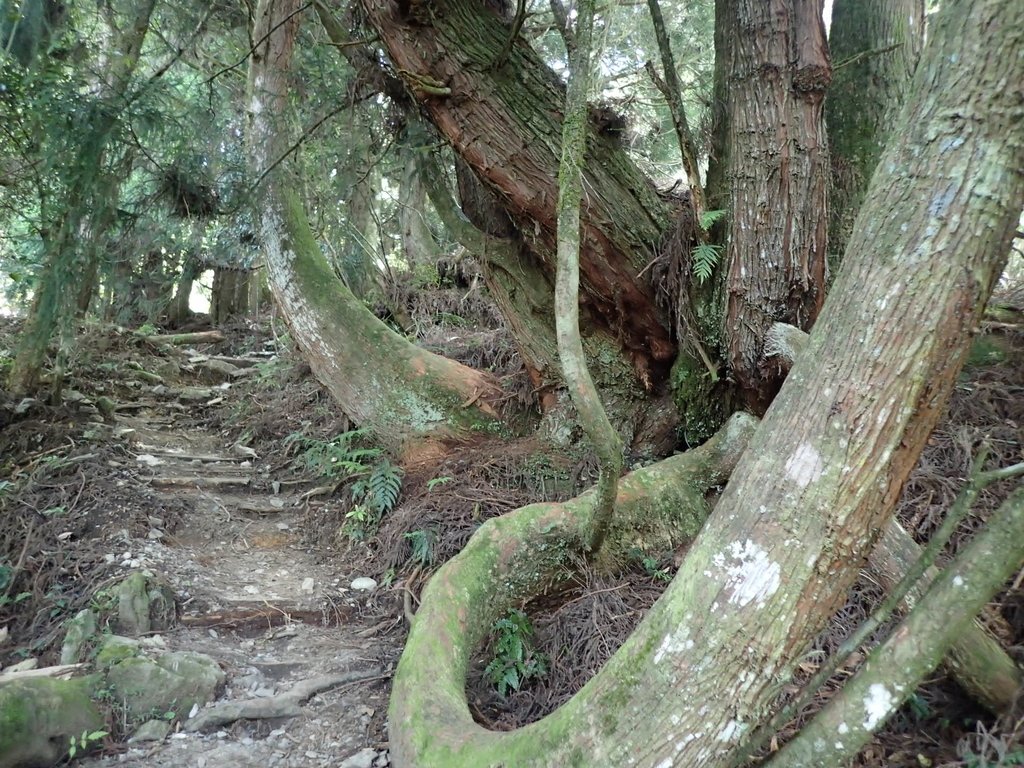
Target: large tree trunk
<point>876,45</point>
<point>403,394</point>
<point>773,70</point>
<point>506,126</point>
<point>809,496</point>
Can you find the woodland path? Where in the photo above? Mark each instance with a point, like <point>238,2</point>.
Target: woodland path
<point>272,613</point>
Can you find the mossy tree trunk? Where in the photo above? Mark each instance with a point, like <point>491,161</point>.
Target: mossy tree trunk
<point>505,125</point>
<point>809,496</point>
<point>876,45</point>
<point>405,396</point>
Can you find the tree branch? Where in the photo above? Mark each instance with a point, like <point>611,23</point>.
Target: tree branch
<point>604,440</point>
<point>671,90</point>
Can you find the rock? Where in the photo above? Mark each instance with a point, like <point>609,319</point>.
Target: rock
<point>39,716</point>
<point>151,730</point>
<point>309,584</point>
<point>194,394</point>
<point>116,648</point>
<point>133,605</point>
<point>144,605</point>
<point>362,759</point>
<point>174,682</point>
<point>364,584</point>
<point>80,630</point>
<point>216,371</point>
<point>23,666</point>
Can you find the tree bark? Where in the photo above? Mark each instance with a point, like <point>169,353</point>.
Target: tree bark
<point>776,69</point>
<point>506,125</point>
<point>893,670</point>
<point>822,475</point>
<point>406,396</point>
<point>876,45</point>
<point>976,659</point>
<point>231,293</point>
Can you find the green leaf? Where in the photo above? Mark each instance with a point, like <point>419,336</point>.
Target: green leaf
<point>705,259</point>
<point>708,218</point>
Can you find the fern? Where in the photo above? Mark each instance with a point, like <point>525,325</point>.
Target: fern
<point>422,545</point>
<point>515,661</point>
<point>709,218</point>
<point>705,259</point>
<point>337,458</point>
<point>384,485</point>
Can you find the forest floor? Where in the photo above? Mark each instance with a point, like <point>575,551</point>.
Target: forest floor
<point>200,465</point>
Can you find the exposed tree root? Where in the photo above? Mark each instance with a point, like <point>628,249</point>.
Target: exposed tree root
<point>508,561</point>
<point>286,705</point>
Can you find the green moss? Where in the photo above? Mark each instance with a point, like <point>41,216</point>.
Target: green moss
<point>987,350</point>
<point>14,719</point>
<point>114,649</point>
<point>702,407</point>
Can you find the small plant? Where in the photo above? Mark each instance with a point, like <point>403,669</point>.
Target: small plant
<point>651,568</point>
<point>705,259</point>
<point>706,255</point>
<point>919,707</point>
<point>379,490</point>
<point>434,483</point>
<point>515,661</point>
<point>377,485</point>
<point>6,600</point>
<point>708,219</point>
<point>84,742</point>
<point>422,545</point>
<point>335,459</point>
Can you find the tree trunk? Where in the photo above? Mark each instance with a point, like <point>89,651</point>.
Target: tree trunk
<point>231,293</point>
<point>403,394</point>
<point>775,71</point>
<point>83,211</point>
<point>809,496</point>
<point>976,660</point>
<point>178,310</point>
<point>876,45</point>
<point>357,267</point>
<point>444,56</point>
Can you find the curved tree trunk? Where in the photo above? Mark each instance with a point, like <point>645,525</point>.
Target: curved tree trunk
<point>809,496</point>
<point>403,394</point>
<point>876,45</point>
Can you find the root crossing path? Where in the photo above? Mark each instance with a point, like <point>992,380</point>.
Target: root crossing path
<point>306,656</point>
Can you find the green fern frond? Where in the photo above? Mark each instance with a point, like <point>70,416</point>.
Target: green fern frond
<point>705,259</point>
<point>709,218</point>
<point>385,484</point>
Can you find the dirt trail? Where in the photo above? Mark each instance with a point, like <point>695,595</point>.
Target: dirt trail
<point>272,613</point>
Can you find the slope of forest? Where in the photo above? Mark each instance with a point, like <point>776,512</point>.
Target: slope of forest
<point>192,463</point>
